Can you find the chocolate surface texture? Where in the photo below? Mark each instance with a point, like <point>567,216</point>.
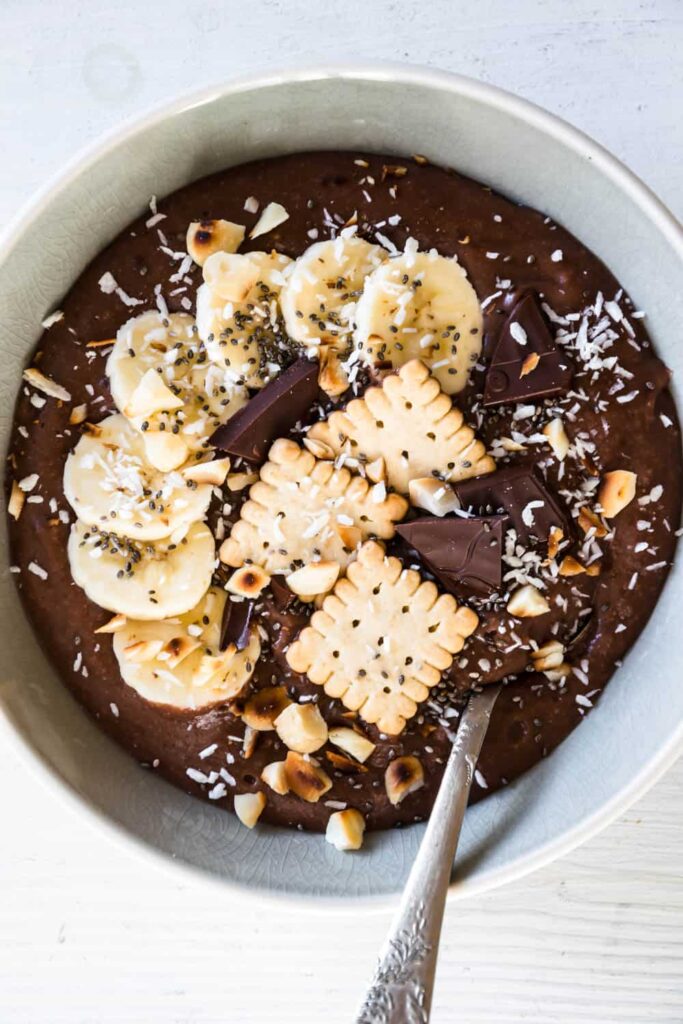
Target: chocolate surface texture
<point>617,415</point>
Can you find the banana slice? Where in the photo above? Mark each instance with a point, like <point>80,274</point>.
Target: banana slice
<point>142,581</point>
<point>109,483</point>
<point>238,314</point>
<point>319,298</point>
<point>177,661</point>
<point>421,305</point>
<point>179,404</point>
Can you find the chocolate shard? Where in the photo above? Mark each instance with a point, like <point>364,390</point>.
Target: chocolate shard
<point>523,494</point>
<point>465,554</point>
<point>270,414</point>
<point>526,363</point>
<point>236,624</point>
<point>283,597</point>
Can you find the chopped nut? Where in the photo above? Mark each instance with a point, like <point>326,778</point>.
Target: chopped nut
<point>529,364</point>
<point>570,567</point>
<point>345,829</point>
<point>143,650</point>
<point>313,579</point>
<point>302,728</point>
<point>273,215</point>
<point>177,649</point>
<point>113,625</point>
<point>151,396</point>
<point>248,581</point>
<point>249,807</point>
<point>318,448</point>
<point>551,655</point>
<point>590,522</point>
<point>376,471</point>
<point>238,481</point>
<point>352,742</point>
<point>350,536</point>
<point>617,490</point>
<point>101,344</point>
<point>264,706</point>
<point>249,741</point>
<point>305,778</point>
<point>594,569</point>
<point>165,450</point>
<point>508,445</point>
<point>209,236</point>
<point>16,500</point>
<point>419,159</point>
<point>527,602</point>
<point>213,472</point>
<point>555,538</point>
<point>275,776</point>
<point>433,495</point>
<point>404,775</point>
<point>332,378</point>
<point>557,438</point>
<point>45,384</point>
<point>393,171</point>
<point>78,415</point>
<point>343,763</point>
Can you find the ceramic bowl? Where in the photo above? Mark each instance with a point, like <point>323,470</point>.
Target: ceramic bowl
<point>634,733</point>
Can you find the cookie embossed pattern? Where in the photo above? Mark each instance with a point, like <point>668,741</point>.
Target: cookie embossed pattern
<point>321,473</point>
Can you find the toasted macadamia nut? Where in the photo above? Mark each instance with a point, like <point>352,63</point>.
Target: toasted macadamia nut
<point>551,655</point>
<point>205,237</point>
<point>527,602</point>
<point>275,776</point>
<point>591,523</point>
<point>249,807</point>
<point>264,706</point>
<point>345,829</point>
<point>302,728</point>
<point>557,438</point>
<point>617,490</point>
<point>177,649</point>
<point>248,581</point>
<point>352,743</point>
<point>273,215</point>
<point>213,472</point>
<point>403,776</point>
<point>433,495</point>
<point>313,579</point>
<point>16,501</point>
<point>570,567</point>
<point>305,778</point>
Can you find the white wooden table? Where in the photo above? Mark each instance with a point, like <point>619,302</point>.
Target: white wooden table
<point>89,935</point>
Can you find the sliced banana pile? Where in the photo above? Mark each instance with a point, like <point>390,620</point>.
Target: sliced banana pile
<point>320,294</point>
<point>421,305</point>
<point>163,382</point>
<point>110,484</point>
<point>177,661</point>
<point>143,580</point>
<point>238,316</point>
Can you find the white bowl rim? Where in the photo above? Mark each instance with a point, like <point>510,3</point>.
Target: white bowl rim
<point>549,124</point>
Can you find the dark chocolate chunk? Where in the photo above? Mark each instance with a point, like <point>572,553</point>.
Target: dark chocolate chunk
<point>513,490</point>
<point>283,597</point>
<point>465,554</point>
<point>526,362</point>
<point>270,414</point>
<point>236,624</point>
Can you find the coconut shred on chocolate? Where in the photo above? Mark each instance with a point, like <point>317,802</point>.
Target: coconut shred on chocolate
<point>316,447</point>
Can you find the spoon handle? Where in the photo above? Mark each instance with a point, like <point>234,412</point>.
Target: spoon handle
<point>401,990</point>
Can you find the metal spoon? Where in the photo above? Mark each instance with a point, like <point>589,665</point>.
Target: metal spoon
<point>401,990</point>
